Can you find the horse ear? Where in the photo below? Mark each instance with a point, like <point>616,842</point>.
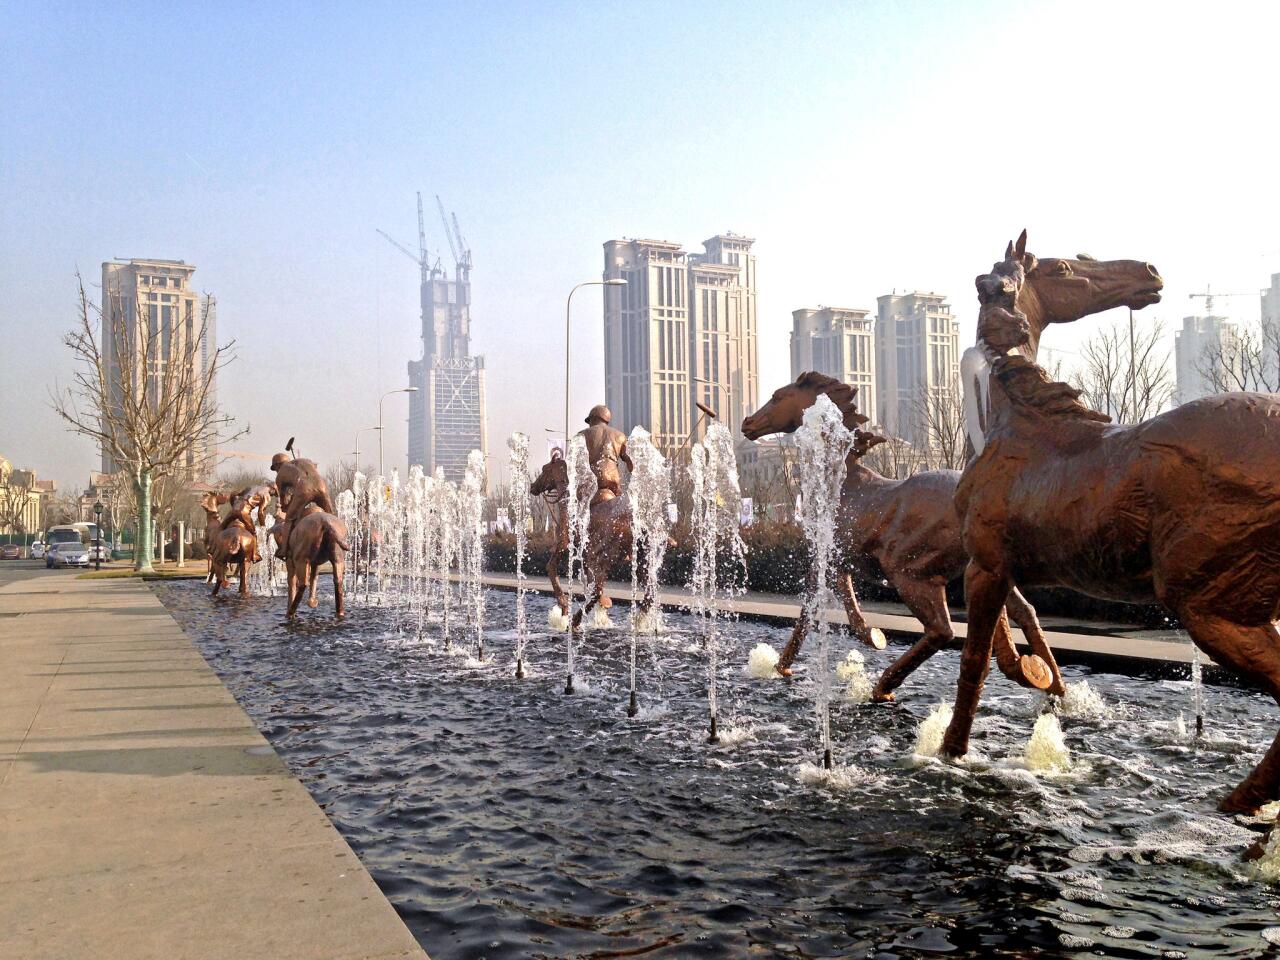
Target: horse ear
<point>1008,251</point>
<point>1021,249</point>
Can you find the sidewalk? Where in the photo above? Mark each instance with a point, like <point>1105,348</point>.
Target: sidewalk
<point>142,815</point>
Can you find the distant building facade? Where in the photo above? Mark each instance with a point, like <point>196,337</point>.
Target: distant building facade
<point>447,413</point>
<point>1271,304</point>
<point>1201,339</point>
<point>22,498</point>
<point>156,295</point>
<point>682,331</point>
<point>840,342</point>
<point>917,342</point>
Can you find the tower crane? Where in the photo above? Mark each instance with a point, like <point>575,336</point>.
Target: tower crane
<point>1209,297</point>
<point>444,219</point>
<point>420,258</point>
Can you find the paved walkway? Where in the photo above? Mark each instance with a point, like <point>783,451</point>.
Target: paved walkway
<point>1098,644</point>
<point>142,815</point>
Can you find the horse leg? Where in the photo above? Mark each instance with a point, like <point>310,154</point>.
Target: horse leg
<point>312,602</point>
<point>986,592</point>
<point>928,601</point>
<point>1026,671</point>
<point>798,633</point>
<point>244,574</point>
<point>858,625</point>
<point>1255,653</point>
<point>1024,615</point>
<point>339,571</point>
<point>554,576</point>
<point>297,581</point>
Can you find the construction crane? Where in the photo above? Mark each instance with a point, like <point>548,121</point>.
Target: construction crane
<point>444,219</point>
<point>457,245</point>
<point>1209,297</point>
<point>420,258</point>
<point>462,243</point>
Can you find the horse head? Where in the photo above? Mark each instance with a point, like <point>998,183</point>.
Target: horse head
<point>552,481</point>
<point>785,410</point>
<point>1064,289</point>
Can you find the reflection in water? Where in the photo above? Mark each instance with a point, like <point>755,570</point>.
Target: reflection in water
<point>504,819</point>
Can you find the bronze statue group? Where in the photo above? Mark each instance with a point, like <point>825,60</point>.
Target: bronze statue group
<point>1182,509</point>
<point>306,533</point>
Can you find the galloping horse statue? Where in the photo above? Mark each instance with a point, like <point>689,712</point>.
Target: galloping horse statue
<point>609,538</point>
<point>1183,509</point>
<point>911,528</point>
<point>313,539</point>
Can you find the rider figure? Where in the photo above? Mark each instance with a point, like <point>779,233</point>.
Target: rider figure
<point>605,447</point>
<point>299,485</point>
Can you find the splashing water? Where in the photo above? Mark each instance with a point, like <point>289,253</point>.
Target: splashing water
<point>840,777</point>
<point>762,661</point>
<point>823,443</point>
<point>1082,702</point>
<point>932,729</point>
<point>557,619</point>
<point>1197,688</point>
<point>1047,751</point>
<point>853,671</point>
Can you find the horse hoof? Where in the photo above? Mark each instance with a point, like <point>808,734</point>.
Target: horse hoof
<point>877,639</point>
<point>878,697</point>
<point>1035,672</point>
<point>605,602</point>
<point>783,672</point>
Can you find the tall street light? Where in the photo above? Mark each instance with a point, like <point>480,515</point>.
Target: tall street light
<point>358,432</point>
<point>97,546</point>
<point>615,282</point>
<point>383,397</point>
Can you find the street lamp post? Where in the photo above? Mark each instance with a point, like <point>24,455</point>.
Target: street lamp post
<point>97,546</point>
<point>614,282</point>
<point>357,452</point>
<point>380,399</point>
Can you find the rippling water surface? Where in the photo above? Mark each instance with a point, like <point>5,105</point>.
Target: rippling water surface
<point>505,819</point>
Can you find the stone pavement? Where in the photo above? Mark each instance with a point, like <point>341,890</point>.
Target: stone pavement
<point>142,815</point>
<point>1097,644</point>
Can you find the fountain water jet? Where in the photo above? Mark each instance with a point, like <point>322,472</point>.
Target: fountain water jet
<point>582,489</point>
<point>717,506</point>
<point>471,544</point>
<point>823,442</point>
<point>521,508</point>
<point>648,492</point>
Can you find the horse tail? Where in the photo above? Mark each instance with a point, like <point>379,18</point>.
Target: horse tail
<point>336,535</point>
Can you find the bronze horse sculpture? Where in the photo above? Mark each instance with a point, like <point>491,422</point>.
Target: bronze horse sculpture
<point>209,502</point>
<point>1183,509</point>
<point>609,538</point>
<point>911,528</point>
<point>315,538</point>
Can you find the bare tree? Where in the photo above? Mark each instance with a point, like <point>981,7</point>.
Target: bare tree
<point>145,394</point>
<point>15,498</point>
<point>340,476</point>
<point>1246,360</point>
<point>939,414</point>
<point>1126,378</point>
<point>895,458</point>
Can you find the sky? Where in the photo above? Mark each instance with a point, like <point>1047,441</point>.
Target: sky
<point>867,147</point>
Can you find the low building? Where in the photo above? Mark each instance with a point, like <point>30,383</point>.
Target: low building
<point>22,500</point>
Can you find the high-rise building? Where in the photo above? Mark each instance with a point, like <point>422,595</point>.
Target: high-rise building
<point>447,413</point>
<point>1271,305</point>
<point>682,331</point>
<point>917,354</point>
<point>840,342</point>
<point>155,296</point>
<point>1200,343</point>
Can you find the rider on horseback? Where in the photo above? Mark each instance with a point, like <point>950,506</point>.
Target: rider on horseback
<point>605,447</point>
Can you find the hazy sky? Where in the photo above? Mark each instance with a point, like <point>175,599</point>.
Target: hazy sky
<point>866,147</point>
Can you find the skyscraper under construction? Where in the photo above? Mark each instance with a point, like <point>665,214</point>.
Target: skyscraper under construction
<point>447,413</point>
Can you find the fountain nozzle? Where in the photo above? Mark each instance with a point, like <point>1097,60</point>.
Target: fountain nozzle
<point>520,668</point>
<point>632,709</point>
<point>715,735</point>
<point>826,759</point>
<point>568,684</point>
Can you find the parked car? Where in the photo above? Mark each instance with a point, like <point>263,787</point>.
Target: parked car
<point>67,554</point>
<point>100,550</point>
<point>66,547</point>
<point>36,551</point>
<point>10,551</point>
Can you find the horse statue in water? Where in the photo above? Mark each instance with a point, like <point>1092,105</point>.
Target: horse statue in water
<point>1183,509</point>
<point>910,527</point>
<point>209,502</point>
<point>609,539</point>
<point>313,539</point>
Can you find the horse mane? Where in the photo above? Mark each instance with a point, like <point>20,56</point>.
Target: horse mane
<point>843,395</point>
<point>1029,387</point>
